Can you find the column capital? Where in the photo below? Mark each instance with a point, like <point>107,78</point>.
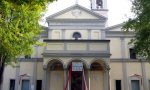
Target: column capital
<point>44,67</point>
<point>106,67</point>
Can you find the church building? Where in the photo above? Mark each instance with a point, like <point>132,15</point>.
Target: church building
<point>80,53</point>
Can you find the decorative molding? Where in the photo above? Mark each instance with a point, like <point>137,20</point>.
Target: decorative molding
<point>76,54</point>
<point>76,24</point>
<point>30,60</point>
<point>126,60</point>
<point>70,40</point>
<point>119,34</point>
<point>77,27</point>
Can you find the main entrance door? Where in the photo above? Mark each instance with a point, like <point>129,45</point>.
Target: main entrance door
<point>76,80</point>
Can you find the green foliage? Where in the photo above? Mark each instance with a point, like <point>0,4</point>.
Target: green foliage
<point>140,24</point>
<point>19,27</point>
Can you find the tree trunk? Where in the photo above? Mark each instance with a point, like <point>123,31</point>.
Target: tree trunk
<point>2,66</point>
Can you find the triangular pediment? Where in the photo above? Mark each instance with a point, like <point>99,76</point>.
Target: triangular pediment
<point>117,27</point>
<point>76,12</point>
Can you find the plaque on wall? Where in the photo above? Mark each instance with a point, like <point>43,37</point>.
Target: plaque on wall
<point>77,66</point>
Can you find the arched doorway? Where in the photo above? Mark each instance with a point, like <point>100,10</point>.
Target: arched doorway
<point>96,76</point>
<point>55,75</point>
<point>76,78</point>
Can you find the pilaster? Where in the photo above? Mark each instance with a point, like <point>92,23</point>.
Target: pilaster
<point>89,34</point>
<point>44,84</point>
<point>50,34</point>
<point>103,36</point>
<point>34,78</point>
<point>124,65</point>
<point>89,79</point>
<point>106,79</point>
<point>17,75</point>
<point>63,33</point>
<point>145,79</point>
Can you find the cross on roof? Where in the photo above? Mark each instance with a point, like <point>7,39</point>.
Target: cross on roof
<point>76,1</point>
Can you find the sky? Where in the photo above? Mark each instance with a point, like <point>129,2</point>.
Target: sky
<point>119,10</point>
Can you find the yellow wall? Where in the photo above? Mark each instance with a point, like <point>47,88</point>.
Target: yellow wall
<point>9,73</point>
<point>26,68</point>
<point>115,73</point>
<point>115,47</point>
<point>127,47</point>
<point>40,71</point>
<point>134,68</point>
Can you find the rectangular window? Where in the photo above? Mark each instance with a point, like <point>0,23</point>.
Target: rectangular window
<point>39,85</point>
<point>12,84</point>
<point>118,85</point>
<point>135,84</point>
<point>25,85</point>
<point>132,53</point>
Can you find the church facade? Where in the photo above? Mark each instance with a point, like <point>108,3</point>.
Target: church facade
<point>80,53</point>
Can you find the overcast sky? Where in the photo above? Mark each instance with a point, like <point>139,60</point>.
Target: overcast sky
<point>119,10</point>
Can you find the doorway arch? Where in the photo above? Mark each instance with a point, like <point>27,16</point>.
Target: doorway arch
<point>55,75</point>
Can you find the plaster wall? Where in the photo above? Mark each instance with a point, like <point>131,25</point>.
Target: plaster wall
<point>115,73</point>
<point>26,68</point>
<point>115,47</point>
<point>9,73</point>
<point>95,34</point>
<point>134,68</point>
<point>40,71</point>
<point>127,47</point>
<point>56,34</point>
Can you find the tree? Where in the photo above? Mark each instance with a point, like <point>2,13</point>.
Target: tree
<point>140,24</point>
<point>19,28</point>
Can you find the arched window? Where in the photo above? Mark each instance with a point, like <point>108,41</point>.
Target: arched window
<point>76,35</point>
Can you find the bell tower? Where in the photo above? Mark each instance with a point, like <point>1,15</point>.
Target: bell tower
<point>99,6</point>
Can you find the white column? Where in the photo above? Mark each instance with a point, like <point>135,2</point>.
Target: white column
<point>34,78</point>
<point>106,79</point>
<point>124,65</point>
<point>65,78</point>
<point>145,79</point>
<point>63,33</point>
<point>50,34</point>
<point>103,34</point>
<point>44,84</point>
<point>89,34</point>
<point>89,76</point>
